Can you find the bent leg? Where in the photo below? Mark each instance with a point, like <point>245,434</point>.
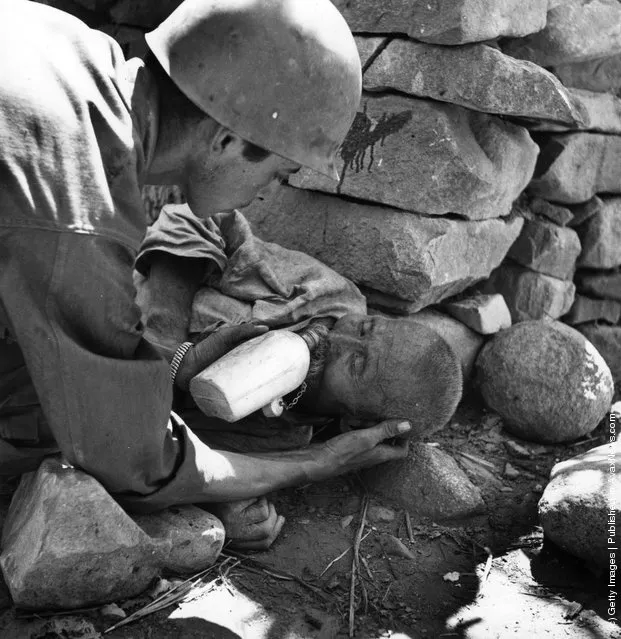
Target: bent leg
<point>25,438</point>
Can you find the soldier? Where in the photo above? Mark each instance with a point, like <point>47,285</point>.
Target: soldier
<point>234,95</point>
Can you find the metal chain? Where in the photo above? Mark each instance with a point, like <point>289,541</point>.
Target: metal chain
<point>296,399</point>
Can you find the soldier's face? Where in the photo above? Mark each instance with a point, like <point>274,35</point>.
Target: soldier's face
<point>231,180</point>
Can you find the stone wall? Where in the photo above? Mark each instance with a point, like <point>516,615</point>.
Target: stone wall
<point>485,157</point>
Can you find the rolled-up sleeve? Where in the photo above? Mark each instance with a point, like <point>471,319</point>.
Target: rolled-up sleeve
<point>104,390</point>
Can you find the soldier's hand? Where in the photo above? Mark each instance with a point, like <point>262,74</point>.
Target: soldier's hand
<point>212,347</point>
<point>359,449</point>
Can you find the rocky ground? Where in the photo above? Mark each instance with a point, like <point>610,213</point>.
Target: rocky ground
<point>488,577</point>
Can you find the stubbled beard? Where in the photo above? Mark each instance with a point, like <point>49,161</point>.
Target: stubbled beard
<point>316,337</point>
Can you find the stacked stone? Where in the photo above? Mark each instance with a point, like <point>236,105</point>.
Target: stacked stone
<point>436,158</point>
<point>456,92</point>
<point>577,181</point>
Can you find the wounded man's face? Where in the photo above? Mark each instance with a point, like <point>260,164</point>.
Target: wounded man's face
<point>379,368</point>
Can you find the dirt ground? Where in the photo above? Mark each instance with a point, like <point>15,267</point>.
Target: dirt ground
<point>486,578</point>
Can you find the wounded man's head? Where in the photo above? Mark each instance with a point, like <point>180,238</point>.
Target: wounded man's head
<point>373,368</point>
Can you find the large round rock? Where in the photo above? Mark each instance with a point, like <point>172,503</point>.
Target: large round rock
<point>578,511</point>
<point>547,381</point>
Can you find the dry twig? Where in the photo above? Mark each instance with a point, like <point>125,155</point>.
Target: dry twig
<point>173,596</point>
<point>488,565</point>
<point>261,568</point>
<point>325,570</point>
<point>478,460</point>
<point>354,568</point>
<point>408,526</point>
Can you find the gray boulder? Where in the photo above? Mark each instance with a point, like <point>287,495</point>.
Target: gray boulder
<point>600,236</point>
<point>476,76</point>
<point>429,157</point>
<point>599,112</point>
<point>196,536</point>
<point>547,248</point>
<point>573,167</point>
<point>607,341</point>
<point>530,295</point>
<point>416,258</point>
<point>546,381</point>
<point>606,285</point>
<point>446,21</point>
<point>576,30</point>
<point>601,75</point>
<point>576,509</point>
<point>587,309</point>
<point>428,483</point>
<point>553,212</point>
<point>368,45</point>
<point>67,544</point>
<point>582,212</point>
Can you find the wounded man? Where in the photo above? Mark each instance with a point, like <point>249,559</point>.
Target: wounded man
<point>196,277</point>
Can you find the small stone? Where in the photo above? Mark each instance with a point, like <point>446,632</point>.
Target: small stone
<point>411,153</point>
<point>515,449</point>
<point>506,489</point>
<point>601,75</point>
<point>530,295</point>
<point>408,256</point>
<point>514,377</point>
<point>160,587</point>
<point>447,21</point>
<point>346,521</point>
<point>477,77</point>
<point>485,314</point>
<point>600,236</point>
<point>602,284</point>
<point>576,30</point>
<point>67,544</point>
<point>451,576</point>
<point>588,309</point>
<point>553,212</point>
<point>429,483</point>
<point>113,611</point>
<point>394,546</point>
<point>511,471</point>
<point>573,167</point>
<point>585,211</point>
<point>380,515</point>
<point>367,46</point>
<point>547,248</point>
<point>599,112</point>
<point>576,509</point>
<point>196,536</point>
